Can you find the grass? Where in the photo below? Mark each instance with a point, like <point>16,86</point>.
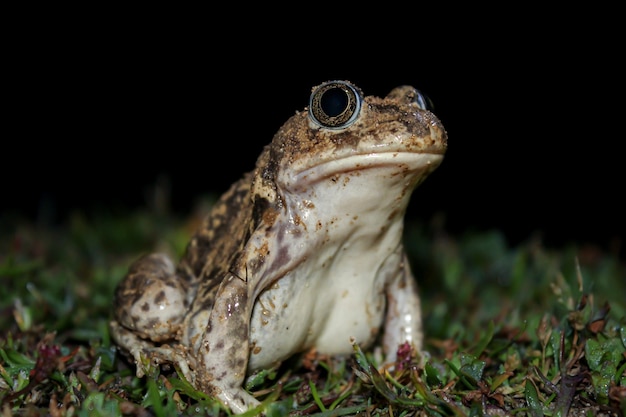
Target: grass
<point>516,331</point>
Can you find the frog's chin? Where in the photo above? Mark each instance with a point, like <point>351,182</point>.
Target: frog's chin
<point>393,163</point>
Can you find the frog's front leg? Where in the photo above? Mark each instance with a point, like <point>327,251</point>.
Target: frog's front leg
<point>150,305</point>
<point>224,352</point>
<point>404,314</point>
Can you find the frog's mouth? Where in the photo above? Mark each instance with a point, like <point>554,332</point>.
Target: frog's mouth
<point>388,164</point>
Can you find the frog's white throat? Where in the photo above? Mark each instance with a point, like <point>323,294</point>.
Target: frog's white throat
<point>360,200</point>
<point>341,236</point>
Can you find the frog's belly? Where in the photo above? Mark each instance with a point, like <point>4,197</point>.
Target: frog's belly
<point>291,317</point>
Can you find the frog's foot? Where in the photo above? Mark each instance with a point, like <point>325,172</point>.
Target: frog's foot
<point>141,349</point>
<point>235,398</point>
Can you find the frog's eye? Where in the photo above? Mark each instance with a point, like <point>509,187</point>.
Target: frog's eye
<point>423,101</point>
<point>335,104</point>
<point>407,94</point>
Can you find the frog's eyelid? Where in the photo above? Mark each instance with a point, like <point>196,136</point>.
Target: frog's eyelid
<point>335,104</point>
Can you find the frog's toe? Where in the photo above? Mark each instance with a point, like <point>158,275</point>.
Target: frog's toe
<point>140,370</point>
<point>239,401</point>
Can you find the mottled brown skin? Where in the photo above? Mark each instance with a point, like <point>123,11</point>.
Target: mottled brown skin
<point>219,313</point>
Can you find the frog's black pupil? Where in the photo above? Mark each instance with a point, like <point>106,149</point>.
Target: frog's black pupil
<point>334,102</point>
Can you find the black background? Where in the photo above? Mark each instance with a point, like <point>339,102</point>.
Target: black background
<point>533,112</point>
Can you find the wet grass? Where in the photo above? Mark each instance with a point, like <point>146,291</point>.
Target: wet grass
<point>519,331</point>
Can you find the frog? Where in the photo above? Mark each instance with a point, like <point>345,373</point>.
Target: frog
<point>303,253</point>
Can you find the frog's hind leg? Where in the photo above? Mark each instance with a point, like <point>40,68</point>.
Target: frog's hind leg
<point>140,350</point>
<point>150,306</point>
<point>151,300</point>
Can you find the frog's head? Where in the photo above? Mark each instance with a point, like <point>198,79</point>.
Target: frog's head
<point>343,135</point>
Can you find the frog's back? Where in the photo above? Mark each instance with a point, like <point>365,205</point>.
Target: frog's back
<point>222,235</point>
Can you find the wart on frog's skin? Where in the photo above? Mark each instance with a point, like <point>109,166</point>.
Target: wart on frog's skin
<point>305,251</point>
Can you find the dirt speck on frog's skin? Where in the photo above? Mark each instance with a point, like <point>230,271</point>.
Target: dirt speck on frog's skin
<point>305,251</point>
